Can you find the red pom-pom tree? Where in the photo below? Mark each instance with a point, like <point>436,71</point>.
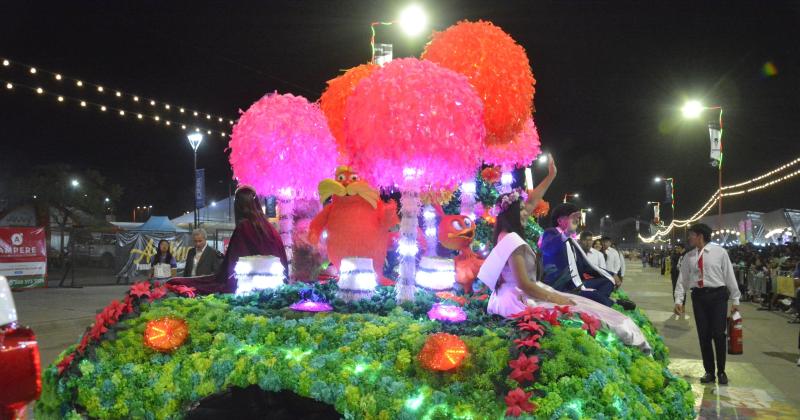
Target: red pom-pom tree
<point>496,66</point>
<point>417,125</point>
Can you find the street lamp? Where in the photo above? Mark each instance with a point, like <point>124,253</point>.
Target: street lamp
<point>194,140</point>
<point>75,183</point>
<point>670,184</point>
<point>412,21</point>
<point>693,109</point>
<point>574,195</point>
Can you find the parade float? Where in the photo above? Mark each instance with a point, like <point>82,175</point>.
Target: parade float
<point>351,347</point>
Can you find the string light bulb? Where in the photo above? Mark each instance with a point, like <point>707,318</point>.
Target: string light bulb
<point>33,70</point>
<point>168,123</point>
<point>182,110</point>
<point>60,99</point>
<point>156,118</point>
<point>139,116</point>
<point>100,89</point>
<point>166,106</point>
<point>83,104</point>
<point>119,94</point>
<point>78,83</point>
<point>58,76</point>
<point>153,103</point>
<point>6,63</point>
<point>103,108</point>
<point>195,113</point>
<point>9,86</point>
<point>39,90</point>
<point>121,113</point>
<point>135,99</point>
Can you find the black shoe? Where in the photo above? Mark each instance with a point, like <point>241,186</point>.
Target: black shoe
<point>626,304</point>
<point>708,378</point>
<point>722,378</point>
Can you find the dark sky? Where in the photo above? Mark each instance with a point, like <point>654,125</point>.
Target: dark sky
<point>611,77</point>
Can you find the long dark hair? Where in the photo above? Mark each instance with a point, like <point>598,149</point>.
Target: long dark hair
<point>157,258</point>
<point>509,220</point>
<point>247,207</point>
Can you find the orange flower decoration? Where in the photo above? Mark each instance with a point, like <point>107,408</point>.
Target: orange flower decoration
<point>165,334</point>
<point>442,352</point>
<point>542,208</point>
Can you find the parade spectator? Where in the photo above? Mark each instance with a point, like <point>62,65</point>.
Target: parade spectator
<point>675,262</point>
<point>201,260</point>
<point>613,258</point>
<point>163,266</point>
<point>592,254</point>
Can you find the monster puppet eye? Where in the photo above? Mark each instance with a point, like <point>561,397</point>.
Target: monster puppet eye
<point>467,222</point>
<point>353,178</point>
<point>341,178</point>
<point>457,225</point>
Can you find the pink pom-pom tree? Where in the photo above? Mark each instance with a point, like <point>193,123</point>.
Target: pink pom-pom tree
<point>416,125</point>
<point>282,146</point>
<point>523,148</point>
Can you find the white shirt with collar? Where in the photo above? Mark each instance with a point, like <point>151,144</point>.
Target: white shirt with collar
<point>197,256</point>
<point>596,257</point>
<point>717,272</point>
<point>613,261</point>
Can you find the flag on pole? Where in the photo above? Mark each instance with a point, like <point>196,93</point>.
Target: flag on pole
<point>715,136</point>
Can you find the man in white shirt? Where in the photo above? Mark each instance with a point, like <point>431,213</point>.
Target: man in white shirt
<point>708,272</point>
<point>613,258</point>
<point>592,255</point>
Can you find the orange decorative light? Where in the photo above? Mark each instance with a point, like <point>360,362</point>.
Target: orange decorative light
<point>442,352</point>
<point>165,334</point>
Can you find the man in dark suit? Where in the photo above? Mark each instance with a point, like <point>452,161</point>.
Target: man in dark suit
<point>202,260</point>
<point>566,266</point>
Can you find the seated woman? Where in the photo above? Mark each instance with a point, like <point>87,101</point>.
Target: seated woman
<point>513,273</point>
<point>253,235</point>
<point>164,266</point>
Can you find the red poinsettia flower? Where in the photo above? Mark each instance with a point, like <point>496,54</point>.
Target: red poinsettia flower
<point>84,342</point>
<point>99,327</point>
<point>140,289</point>
<point>112,312</point>
<point>531,341</point>
<point>530,312</point>
<point>181,289</point>
<point>127,304</point>
<point>157,293</point>
<point>590,323</point>
<point>524,367</point>
<point>551,317</point>
<point>531,326</point>
<point>64,363</point>
<point>564,310</point>
<point>518,402</point>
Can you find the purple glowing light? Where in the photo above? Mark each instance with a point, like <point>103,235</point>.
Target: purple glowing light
<point>311,306</point>
<point>449,313</point>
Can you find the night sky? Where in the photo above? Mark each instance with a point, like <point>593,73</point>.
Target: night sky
<point>611,77</point>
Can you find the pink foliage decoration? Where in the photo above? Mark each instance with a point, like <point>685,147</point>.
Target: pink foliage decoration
<point>414,122</point>
<point>282,146</point>
<point>520,151</point>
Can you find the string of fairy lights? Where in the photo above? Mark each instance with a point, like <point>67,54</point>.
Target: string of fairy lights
<point>160,112</point>
<point>775,176</point>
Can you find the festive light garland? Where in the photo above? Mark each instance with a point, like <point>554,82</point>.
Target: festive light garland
<point>103,108</point>
<point>59,77</point>
<point>723,193</point>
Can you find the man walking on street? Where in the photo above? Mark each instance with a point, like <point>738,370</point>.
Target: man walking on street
<point>708,272</point>
<point>675,266</point>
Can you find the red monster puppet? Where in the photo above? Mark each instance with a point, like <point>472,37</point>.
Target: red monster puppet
<point>456,232</point>
<point>357,221</point>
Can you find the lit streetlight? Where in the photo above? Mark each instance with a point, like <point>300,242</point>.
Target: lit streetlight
<point>693,109</point>
<point>413,20</point>
<point>75,183</point>
<point>194,140</point>
<point>573,195</point>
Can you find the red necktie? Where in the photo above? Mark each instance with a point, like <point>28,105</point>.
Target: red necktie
<point>700,266</point>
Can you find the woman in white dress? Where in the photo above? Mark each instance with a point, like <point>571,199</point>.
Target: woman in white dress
<point>512,271</point>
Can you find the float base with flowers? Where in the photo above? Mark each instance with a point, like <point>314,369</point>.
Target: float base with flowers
<point>160,352</point>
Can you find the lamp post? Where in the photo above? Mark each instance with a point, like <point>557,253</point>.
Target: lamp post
<point>670,183</point>
<point>693,109</point>
<point>583,215</point>
<point>566,196</point>
<point>194,140</point>
<point>412,21</point>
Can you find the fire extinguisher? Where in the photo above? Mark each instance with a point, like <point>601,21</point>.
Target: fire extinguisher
<point>735,345</point>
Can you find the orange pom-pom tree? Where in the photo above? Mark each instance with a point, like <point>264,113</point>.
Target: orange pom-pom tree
<point>165,334</point>
<point>334,100</point>
<point>442,352</point>
<point>498,69</point>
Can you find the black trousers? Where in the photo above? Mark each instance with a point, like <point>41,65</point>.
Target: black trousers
<point>710,315</point>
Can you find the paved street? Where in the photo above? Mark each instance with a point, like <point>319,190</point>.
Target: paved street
<point>763,379</point>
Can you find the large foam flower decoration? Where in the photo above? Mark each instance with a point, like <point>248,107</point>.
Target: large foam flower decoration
<point>282,146</point>
<point>496,66</point>
<point>413,122</point>
<point>523,148</point>
<point>334,100</point>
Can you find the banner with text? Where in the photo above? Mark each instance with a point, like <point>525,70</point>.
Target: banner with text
<point>23,256</point>
<point>137,250</point>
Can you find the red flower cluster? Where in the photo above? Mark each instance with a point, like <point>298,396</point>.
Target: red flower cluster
<point>541,209</point>
<point>491,174</point>
<point>590,323</point>
<point>524,368</point>
<point>461,300</point>
<point>111,314</point>
<point>518,402</point>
